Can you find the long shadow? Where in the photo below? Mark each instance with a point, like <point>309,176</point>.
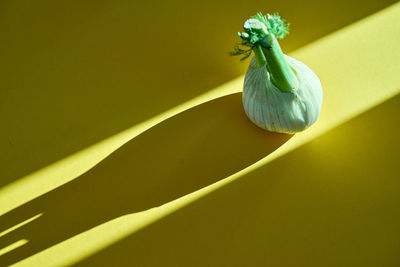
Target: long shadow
<point>60,59</point>
<point>180,155</point>
<point>332,202</point>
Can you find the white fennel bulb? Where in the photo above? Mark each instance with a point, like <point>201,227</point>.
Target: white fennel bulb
<point>280,93</point>
<point>277,111</point>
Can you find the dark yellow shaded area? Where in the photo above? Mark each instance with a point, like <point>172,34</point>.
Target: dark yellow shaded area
<point>176,157</point>
<point>331,202</point>
<point>13,246</point>
<point>76,72</point>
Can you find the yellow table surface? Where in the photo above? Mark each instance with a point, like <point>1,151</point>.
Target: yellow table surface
<point>125,143</point>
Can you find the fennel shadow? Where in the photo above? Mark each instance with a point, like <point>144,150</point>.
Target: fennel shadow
<point>182,154</point>
<point>56,77</point>
<point>331,201</point>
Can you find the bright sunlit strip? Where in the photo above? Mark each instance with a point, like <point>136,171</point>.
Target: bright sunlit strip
<point>352,85</point>
<point>20,224</point>
<point>13,246</point>
<point>67,169</point>
<point>341,70</point>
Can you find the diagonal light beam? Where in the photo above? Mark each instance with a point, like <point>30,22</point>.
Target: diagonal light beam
<point>357,71</point>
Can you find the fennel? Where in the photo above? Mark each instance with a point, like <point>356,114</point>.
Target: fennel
<point>280,93</point>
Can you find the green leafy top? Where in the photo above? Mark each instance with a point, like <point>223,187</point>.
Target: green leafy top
<point>275,25</point>
<point>256,28</point>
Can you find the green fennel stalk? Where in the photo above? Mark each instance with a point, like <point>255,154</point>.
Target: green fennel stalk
<point>260,36</point>
<point>280,93</point>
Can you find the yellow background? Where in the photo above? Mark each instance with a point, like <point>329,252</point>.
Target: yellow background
<point>196,184</point>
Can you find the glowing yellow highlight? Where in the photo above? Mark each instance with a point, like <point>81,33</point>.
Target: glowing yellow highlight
<point>339,72</point>
<point>20,224</point>
<point>357,73</point>
<point>13,246</point>
<point>38,183</point>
